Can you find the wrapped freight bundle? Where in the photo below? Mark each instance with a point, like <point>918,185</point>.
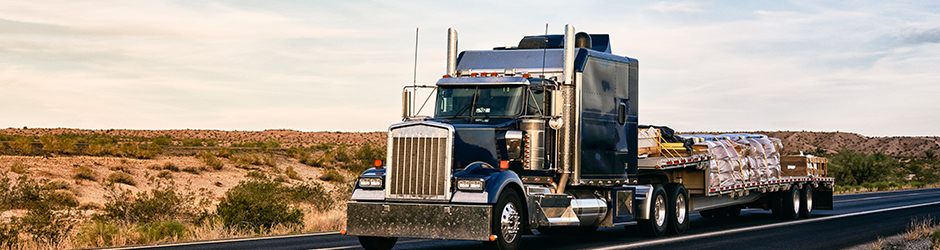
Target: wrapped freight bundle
<point>740,158</point>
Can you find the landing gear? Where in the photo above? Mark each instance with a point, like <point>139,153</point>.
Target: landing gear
<point>657,222</point>
<point>678,208</point>
<point>507,222</point>
<point>377,243</point>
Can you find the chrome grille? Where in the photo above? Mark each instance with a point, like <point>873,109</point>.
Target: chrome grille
<point>419,162</point>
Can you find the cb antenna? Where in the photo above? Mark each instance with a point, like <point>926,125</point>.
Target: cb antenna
<point>415,79</point>
<point>544,46</point>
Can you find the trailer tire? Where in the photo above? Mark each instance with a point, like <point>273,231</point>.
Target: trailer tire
<point>377,243</point>
<point>507,222</point>
<point>678,208</point>
<point>656,225</point>
<point>790,203</point>
<point>806,201</point>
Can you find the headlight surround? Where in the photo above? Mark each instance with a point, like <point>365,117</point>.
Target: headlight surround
<point>371,182</point>
<point>470,184</point>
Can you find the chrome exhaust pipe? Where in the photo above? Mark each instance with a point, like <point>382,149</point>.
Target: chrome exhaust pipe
<point>452,52</point>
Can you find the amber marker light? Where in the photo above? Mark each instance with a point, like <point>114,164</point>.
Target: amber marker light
<point>378,164</point>
<point>526,75</point>
<point>492,237</point>
<point>343,232</point>
<point>503,164</point>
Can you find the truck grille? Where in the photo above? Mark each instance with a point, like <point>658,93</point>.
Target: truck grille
<point>419,162</point>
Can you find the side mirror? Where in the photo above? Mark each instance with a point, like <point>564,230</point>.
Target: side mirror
<point>510,143</point>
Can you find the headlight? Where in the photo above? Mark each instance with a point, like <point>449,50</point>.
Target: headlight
<point>470,184</point>
<point>370,182</point>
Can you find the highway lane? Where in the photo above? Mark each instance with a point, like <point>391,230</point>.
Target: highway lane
<point>858,218</point>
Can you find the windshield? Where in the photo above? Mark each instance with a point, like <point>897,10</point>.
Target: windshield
<point>479,101</point>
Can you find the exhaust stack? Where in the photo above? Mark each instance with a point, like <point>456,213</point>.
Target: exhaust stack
<point>451,52</point>
<point>568,69</point>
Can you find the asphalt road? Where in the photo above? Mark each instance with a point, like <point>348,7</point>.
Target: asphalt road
<point>857,219</point>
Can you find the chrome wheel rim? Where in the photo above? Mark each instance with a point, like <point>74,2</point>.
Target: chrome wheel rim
<point>660,210</point>
<point>680,209</point>
<point>509,222</point>
<point>796,201</point>
<point>809,199</point>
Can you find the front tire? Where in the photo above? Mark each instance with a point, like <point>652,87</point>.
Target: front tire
<point>655,226</point>
<point>678,208</point>
<point>806,201</point>
<point>507,223</point>
<point>377,243</point>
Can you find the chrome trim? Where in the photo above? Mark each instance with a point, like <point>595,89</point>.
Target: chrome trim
<point>424,151</point>
<point>451,51</point>
<point>504,80</point>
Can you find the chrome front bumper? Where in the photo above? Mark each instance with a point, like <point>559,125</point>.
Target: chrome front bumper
<point>419,220</point>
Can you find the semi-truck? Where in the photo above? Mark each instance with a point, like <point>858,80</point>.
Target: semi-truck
<point>543,137</point>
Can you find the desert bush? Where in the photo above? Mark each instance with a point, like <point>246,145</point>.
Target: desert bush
<point>162,231</point>
<point>243,160</point>
<point>881,185</point>
<point>57,184</point>
<point>122,177</point>
<point>128,149</point>
<point>22,145</point>
<point>322,146</point>
<point>84,173</point>
<point>919,228</point>
<point>294,152</point>
<point>47,225</point>
<point>9,235</point>
<point>851,168</point>
<point>270,161</point>
<point>19,168</point>
<point>101,149</point>
<point>210,160</point>
<point>97,233</point>
<point>258,205</point>
<point>162,140</point>
<point>225,152</point>
<point>935,237</point>
<point>165,174</point>
<point>255,174</point>
<point>170,166</point>
<point>191,170</point>
<point>365,157</point>
<point>332,175</point>
<point>164,203</point>
<point>64,197</point>
<point>291,173</point>
<point>917,184</point>
<point>280,178</point>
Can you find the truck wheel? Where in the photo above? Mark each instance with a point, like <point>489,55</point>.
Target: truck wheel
<point>655,226</point>
<point>678,208</point>
<point>790,204</point>
<point>507,223</point>
<point>377,243</point>
<point>806,200</point>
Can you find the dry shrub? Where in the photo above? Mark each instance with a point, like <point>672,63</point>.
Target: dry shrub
<point>291,173</point>
<point>191,170</point>
<point>22,145</point>
<point>919,229</point>
<point>19,168</point>
<point>165,174</point>
<point>122,177</point>
<point>879,244</point>
<point>332,175</point>
<point>84,173</point>
<point>210,160</point>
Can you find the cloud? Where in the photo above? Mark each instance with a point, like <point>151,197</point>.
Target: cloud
<point>923,36</point>
<point>679,7</point>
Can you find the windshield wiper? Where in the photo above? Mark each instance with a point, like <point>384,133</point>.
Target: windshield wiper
<point>472,103</point>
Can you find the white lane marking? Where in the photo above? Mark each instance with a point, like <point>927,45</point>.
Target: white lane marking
<point>223,240</point>
<point>357,246</point>
<point>738,230</point>
<point>878,197</point>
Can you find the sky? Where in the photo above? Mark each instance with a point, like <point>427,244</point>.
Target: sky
<point>868,67</point>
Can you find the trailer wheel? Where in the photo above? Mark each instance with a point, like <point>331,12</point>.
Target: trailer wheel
<point>656,224</point>
<point>806,201</point>
<point>790,203</point>
<point>507,223</point>
<point>377,243</point>
<point>678,208</point>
